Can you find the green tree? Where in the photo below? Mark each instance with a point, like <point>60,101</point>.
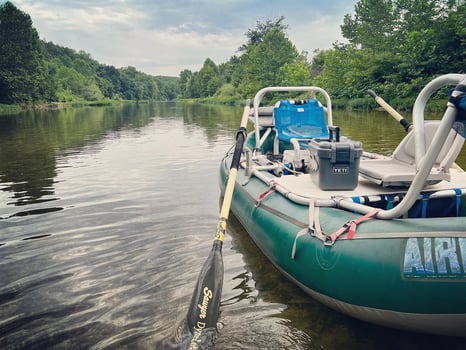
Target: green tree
<point>109,80</point>
<point>169,88</point>
<point>85,64</point>
<point>450,38</point>
<point>414,15</point>
<point>396,46</point>
<point>294,74</point>
<point>33,70</point>
<point>207,81</point>
<point>185,83</point>
<point>256,35</point>
<point>21,60</point>
<point>372,24</point>
<point>317,63</point>
<point>265,59</point>
<point>70,79</point>
<point>236,71</point>
<point>48,87</point>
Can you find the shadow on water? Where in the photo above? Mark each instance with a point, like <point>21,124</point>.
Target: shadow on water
<point>32,212</point>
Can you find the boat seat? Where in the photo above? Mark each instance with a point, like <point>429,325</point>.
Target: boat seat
<point>298,119</point>
<point>400,169</point>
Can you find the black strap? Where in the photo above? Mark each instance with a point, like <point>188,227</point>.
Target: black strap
<point>459,100</point>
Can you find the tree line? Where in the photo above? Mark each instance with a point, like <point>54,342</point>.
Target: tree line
<point>33,70</point>
<point>394,47</point>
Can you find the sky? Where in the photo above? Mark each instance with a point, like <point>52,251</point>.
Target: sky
<point>164,37</point>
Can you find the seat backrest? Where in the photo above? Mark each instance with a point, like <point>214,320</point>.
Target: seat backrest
<point>405,151</point>
<point>303,119</point>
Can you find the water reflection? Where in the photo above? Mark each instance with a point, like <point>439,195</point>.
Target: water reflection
<point>135,204</point>
<point>101,241</point>
<point>36,145</point>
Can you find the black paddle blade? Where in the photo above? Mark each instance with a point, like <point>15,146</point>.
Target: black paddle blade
<point>199,329</point>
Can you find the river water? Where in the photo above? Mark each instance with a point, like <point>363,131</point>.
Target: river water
<point>107,215</point>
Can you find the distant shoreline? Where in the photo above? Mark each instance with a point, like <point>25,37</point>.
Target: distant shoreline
<point>341,104</point>
<point>44,106</point>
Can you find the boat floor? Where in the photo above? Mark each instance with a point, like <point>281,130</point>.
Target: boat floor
<point>303,185</point>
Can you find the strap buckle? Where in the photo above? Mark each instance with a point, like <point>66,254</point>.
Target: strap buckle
<point>349,227</point>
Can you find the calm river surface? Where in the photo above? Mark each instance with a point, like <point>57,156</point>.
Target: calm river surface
<point>107,215</point>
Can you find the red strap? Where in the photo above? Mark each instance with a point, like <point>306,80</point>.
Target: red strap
<point>351,225</point>
<point>334,236</point>
<point>354,223</point>
<point>267,192</point>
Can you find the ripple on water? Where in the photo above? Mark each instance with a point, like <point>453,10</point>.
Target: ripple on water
<point>112,263</point>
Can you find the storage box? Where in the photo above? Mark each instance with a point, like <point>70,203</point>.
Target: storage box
<point>335,165</point>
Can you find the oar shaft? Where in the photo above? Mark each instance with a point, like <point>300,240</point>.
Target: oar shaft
<point>228,195</point>
<point>406,124</point>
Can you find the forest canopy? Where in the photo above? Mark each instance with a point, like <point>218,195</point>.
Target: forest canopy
<point>393,46</point>
<point>32,70</point>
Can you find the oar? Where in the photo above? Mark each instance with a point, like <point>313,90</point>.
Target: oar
<point>199,329</point>
<point>406,124</point>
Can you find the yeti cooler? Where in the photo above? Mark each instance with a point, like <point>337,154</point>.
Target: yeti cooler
<point>335,165</point>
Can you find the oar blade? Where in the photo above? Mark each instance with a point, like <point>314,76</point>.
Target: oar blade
<point>199,328</point>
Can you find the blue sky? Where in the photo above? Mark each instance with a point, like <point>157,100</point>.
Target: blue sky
<point>163,37</point>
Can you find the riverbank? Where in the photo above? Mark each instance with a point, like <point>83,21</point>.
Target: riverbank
<point>361,104</point>
<point>9,109</point>
<point>16,109</point>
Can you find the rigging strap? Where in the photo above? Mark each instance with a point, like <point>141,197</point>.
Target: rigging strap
<point>313,226</point>
<point>272,188</point>
<point>350,226</point>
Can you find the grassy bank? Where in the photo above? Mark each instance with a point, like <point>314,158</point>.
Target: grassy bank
<point>16,109</point>
<point>366,103</point>
<point>362,104</point>
<point>9,109</point>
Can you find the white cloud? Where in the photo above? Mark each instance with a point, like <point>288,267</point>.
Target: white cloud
<point>163,37</point>
<point>319,34</point>
<point>81,19</point>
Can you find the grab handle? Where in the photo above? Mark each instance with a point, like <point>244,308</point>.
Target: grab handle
<point>334,133</point>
